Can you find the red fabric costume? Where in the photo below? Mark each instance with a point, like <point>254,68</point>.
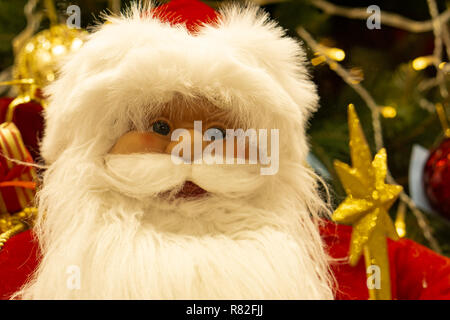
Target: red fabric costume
<point>416,272</point>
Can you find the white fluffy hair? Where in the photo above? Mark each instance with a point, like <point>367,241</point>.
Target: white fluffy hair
<point>252,237</point>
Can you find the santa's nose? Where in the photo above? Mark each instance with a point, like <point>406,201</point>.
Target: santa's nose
<point>180,148</point>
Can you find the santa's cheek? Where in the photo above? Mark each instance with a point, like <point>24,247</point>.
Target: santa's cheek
<point>140,142</point>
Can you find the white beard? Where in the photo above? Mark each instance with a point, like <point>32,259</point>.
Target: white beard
<point>253,237</point>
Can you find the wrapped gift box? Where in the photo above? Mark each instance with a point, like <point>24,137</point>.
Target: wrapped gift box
<point>17,179</point>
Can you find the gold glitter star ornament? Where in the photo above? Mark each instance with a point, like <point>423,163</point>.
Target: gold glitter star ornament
<point>366,206</point>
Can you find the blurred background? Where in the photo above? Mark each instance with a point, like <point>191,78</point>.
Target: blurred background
<point>399,58</point>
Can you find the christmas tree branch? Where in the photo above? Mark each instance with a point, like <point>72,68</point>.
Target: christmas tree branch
<point>438,24</point>
<point>345,75</point>
<point>427,105</point>
<point>437,53</point>
<point>387,18</point>
<point>421,220</point>
<point>374,108</point>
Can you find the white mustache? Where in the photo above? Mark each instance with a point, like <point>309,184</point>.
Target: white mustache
<point>149,174</point>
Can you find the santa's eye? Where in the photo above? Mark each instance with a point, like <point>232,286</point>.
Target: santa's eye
<point>161,127</point>
<point>215,133</point>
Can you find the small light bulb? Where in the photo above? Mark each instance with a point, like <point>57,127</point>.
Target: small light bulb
<point>29,47</point>
<point>58,50</point>
<point>388,112</point>
<point>401,228</point>
<point>76,44</point>
<point>46,45</point>
<point>336,54</point>
<point>421,63</point>
<point>50,77</point>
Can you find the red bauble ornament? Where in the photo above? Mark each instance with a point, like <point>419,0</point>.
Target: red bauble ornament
<point>436,178</point>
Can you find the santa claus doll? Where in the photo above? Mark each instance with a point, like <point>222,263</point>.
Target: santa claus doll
<point>127,209</point>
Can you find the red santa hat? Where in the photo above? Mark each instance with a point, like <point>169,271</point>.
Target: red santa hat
<point>237,58</point>
<point>192,13</point>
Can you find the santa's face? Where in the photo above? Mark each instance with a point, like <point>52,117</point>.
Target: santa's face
<point>204,125</point>
<point>147,164</point>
